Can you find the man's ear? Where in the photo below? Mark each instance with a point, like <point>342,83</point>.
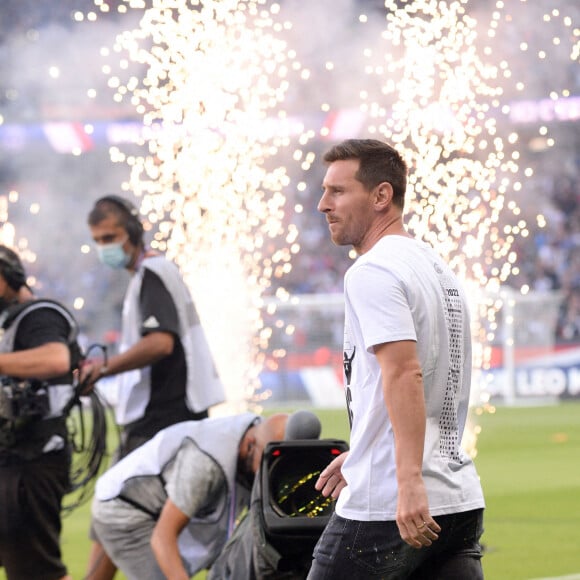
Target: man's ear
<point>251,436</point>
<point>383,195</point>
<point>247,441</point>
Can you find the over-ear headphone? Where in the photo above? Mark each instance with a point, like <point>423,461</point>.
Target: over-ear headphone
<point>133,224</point>
<point>11,268</point>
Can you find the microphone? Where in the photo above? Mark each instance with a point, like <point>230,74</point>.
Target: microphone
<point>302,425</point>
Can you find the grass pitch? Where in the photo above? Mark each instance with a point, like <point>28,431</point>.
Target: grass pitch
<point>529,462</point>
<point>528,459</point>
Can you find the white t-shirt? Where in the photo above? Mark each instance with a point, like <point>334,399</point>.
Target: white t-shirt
<point>402,290</point>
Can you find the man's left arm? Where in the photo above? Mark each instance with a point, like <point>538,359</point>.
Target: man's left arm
<point>403,393</point>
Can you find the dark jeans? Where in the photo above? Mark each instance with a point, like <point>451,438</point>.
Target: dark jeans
<point>353,550</point>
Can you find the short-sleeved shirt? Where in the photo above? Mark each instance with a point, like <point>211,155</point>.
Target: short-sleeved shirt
<point>158,313</point>
<point>193,481</point>
<point>40,327</point>
<point>402,290</point>
<point>167,403</point>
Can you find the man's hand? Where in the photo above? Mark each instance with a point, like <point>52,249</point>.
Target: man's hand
<point>331,482</point>
<point>90,373</point>
<point>416,526</point>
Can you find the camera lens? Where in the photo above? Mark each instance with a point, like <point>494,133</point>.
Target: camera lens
<point>292,477</point>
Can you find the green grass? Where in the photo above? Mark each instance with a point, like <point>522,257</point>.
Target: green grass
<point>529,462</point>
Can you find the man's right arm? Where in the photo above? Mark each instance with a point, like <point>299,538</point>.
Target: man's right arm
<point>403,395</point>
<point>149,349</point>
<point>155,302</point>
<point>164,541</point>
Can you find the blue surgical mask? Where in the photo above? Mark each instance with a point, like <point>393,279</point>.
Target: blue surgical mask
<point>113,255</point>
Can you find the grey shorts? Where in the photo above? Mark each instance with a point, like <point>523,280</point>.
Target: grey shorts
<point>130,549</point>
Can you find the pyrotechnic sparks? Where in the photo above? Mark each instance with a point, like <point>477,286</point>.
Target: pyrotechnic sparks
<point>447,103</point>
<point>215,78</point>
<point>8,236</point>
<point>7,229</point>
<point>442,119</point>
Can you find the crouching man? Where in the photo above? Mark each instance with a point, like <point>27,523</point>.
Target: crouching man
<point>167,509</point>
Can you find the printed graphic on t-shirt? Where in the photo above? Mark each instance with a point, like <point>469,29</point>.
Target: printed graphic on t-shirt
<point>348,356</point>
<point>449,442</point>
<point>347,363</point>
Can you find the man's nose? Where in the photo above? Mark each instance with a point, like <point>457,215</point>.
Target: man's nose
<point>323,204</point>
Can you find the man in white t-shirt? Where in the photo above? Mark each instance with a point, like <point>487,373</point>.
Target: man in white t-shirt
<point>410,504</point>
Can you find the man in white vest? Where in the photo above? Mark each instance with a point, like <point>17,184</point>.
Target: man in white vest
<point>38,357</point>
<point>164,369</point>
<point>167,509</point>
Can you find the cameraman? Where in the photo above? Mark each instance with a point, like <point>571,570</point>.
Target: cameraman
<point>36,364</point>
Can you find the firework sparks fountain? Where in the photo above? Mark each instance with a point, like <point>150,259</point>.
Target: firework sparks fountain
<point>447,105</point>
<point>443,119</point>
<point>215,78</point>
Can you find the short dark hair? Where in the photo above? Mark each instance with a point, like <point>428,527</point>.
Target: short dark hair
<point>126,214</point>
<point>11,268</point>
<point>379,162</point>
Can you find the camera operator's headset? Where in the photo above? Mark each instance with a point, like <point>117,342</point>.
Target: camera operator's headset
<point>133,224</point>
<point>11,269</point>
